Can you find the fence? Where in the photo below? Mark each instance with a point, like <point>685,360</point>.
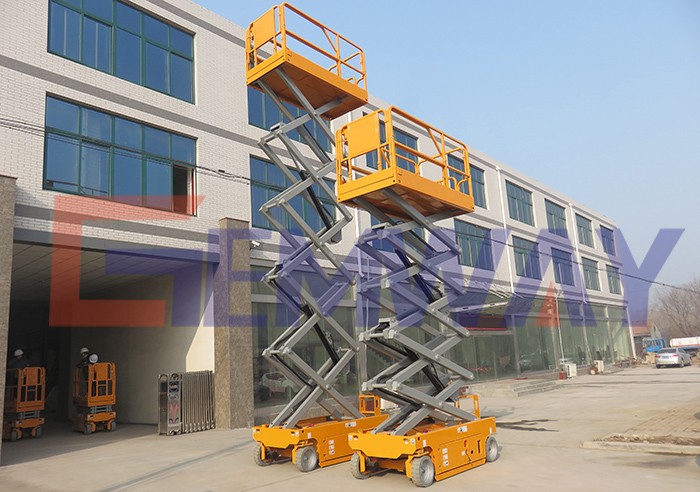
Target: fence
<point>186,402</point>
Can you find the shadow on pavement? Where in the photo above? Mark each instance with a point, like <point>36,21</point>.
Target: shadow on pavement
<point>60,438</point>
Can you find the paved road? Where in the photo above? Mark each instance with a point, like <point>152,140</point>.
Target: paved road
<point>540,437</point>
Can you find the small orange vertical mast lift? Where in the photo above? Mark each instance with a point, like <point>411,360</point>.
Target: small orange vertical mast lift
<point>94,394</point>
<point>311,80</point>
<point>25,391</point>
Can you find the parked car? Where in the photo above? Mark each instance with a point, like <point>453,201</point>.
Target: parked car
<point>672,357</point>
<point>275,383</point>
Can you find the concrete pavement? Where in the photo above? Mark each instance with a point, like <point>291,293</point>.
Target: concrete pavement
<point>540,436</point>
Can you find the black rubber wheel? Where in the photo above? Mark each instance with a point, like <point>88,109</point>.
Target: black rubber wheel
<point>257,457</point>
<point>87,429</point>
<point>492,451</point>
<point>111,426</point>
<point>38,432</point>
<point>14,435</point>
<point>422,471</point>
<point>355,461</point>
<point>307,458</point>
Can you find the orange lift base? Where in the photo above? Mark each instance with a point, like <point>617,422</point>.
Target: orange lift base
<point>451,449</point>
<point>327,436</point>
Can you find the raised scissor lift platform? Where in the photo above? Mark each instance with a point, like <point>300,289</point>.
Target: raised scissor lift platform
<point>430,436</point>
<point>326,79</point>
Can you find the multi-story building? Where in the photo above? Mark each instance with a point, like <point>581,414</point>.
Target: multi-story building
<point>130,191</point>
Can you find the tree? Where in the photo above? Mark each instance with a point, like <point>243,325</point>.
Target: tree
<point>676,312</point>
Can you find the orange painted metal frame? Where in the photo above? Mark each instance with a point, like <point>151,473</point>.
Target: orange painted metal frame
<point>400,167</point>
<point>270,44</point>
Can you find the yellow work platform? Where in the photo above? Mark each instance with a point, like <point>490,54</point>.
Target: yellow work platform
<point>371,159</point>
<point>326,68</point>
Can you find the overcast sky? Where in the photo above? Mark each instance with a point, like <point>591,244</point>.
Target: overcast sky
<point>598,99</point>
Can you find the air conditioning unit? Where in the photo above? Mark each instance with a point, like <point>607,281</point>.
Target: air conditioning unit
<point>570,369</point>
<point>600,365</point>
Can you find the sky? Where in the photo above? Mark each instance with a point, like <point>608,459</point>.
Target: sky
<point>599,100</point>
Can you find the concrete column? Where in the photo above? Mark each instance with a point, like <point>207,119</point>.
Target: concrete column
<point>233,336</point>
<point>7,220</point>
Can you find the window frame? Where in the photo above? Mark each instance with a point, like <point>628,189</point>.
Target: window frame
<point>172,52</point>
<point>563,260</point>
<point>554,221</point>
<point>478,186</point>
<point>591,274</point>
<point>607,237</point>
<point>479,245</point>
<point>520,203</point>
<point>584,229</point>
<point>614,281</point>
<point>526,256</point>
<point>116,149</point>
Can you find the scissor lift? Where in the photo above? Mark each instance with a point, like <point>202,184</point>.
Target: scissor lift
<point>94,394</point>
<point>290,70</point>
<point>430,436</point>
<point>25,392</point>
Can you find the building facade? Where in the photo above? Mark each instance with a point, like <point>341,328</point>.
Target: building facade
<point>132,176</point>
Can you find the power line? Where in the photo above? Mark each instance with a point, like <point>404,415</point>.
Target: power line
<point>40,131</point>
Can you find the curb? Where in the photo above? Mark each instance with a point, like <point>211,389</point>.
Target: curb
<point>642,447</point>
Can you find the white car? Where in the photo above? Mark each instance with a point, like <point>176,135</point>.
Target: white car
<point>277,383</point>
<point>672,357</point>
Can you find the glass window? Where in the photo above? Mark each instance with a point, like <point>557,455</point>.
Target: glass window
<point>99,8</point>
<point>614,279</point>
<point>457,163</point>
<point>527,258</point>
<point>128,18</point>
<point>556,218</point>
<point>519,203</point>
<point>62,115</point>
<point>585,230</point>
<point>122,44</point>
<point>180,77</point>
<point>474,245</point>
<point>264,113</point>
<point>97,44</point>
<point>267,181</point>
<point>590,274</point>
<point>478,186</point>
<point>62,163</point>
<point>64,31</point>
<point>405,159</point>
<point>84,156</point>
<point>608,238</point>
<point>127,133</point>
<point>128,56</point>
<point>563,267</point>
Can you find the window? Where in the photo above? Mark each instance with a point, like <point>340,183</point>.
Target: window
<point>478,186</point>
<point>519,203</point>
<point>267,181</point>
<point>585,230</point>
<point>527,258</point>
<point>614,279</point>
<point>115,38</point>
<point>474,245</point>
<point>264,113</point>
<point>92,153</point>
<point>590,274</point>
<point>608,238</point>
<point>556,219</point>
<point>563,267</point>
<point>457,163</point>
<point>405,159</point>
